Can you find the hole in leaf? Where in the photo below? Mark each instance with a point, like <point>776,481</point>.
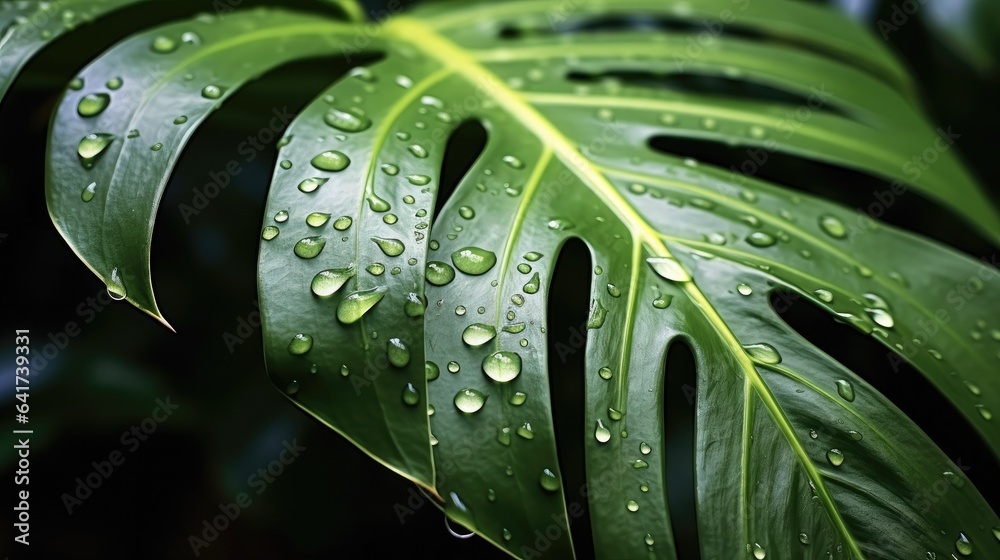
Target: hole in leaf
<point>871,197</point>
<point>216,195</point>
<point>907,388</point>
<point>680,388</point>
<point>568,305</point>
<point>464,147</point>
<point>703,84</point>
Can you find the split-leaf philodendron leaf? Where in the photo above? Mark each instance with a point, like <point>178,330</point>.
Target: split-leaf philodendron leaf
<point>421,337</point>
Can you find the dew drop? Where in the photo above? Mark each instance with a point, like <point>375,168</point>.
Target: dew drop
<point>439,273</point>
<point>311,184</point>
<point>744,289</point>
<point>391,170</point>
<point>93,104</point>
<point>662,301</point>
<point>163,45</point>
<point>532,286</point>
<point>824,295</point>
<point>88,192</point>
<point>605,373</point>
<point>478,334</point>
<point>881,317</point>
<point>473,260</point>
<point>503,435</point>
<point>418,180</point>
<point>632,506</point>
<point>269,233</point>
<point>645,449</point>
<point>845,389</point>
<point>300,344</point>
<point>390,247</point>
<point>317,219</point>
<point>398,352</point>
<point>532,256</point>
<point>183,119</point>
<point>598,314</point>
<point>602,434</point>
<point>411,396</point>
<point>962,545</point>
<point>309,247</point>
<point>404,82</point>
<point>648,539</point>
<point>561,224</point>
<point>972,387</point>
<point>469,401</point>
<point>833,227</point>
<point>116,286</point>
<point>549,481</point>
<point>513,162</point>
<point>432,371</point>
<point>669,269</point>
<point>639,464</point>
<point>356,304</point>
<point>92,146</point>
<point>346,121</point>
<point>328,282</point>
<point>331,160</point>
<point>415,305</point>
<point>761,239</point>
<point>525,431</point>
<point>763,353</point>
<point>613,290</point>
<point>835,457</point>
<point>758,552</point>
<point>502,366</point>
<point>211,92</point>
<point>342,223</point>
<point>454,367</point>
<point>803,538</point>
<point>467,212</point>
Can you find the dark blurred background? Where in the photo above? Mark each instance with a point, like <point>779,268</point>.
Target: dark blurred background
<point>331,500</point>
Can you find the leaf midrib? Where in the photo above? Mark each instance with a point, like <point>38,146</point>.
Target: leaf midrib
<point>450,55</point>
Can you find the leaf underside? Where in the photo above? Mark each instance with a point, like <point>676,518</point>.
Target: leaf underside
<point>421,337</point>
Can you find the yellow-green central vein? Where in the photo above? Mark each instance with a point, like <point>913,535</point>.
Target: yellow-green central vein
<point>450,55</point>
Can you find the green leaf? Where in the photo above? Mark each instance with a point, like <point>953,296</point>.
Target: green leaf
<point>421,337</point>
<point>672,239</point>
<point>116,137</point>
<point>29,26</point>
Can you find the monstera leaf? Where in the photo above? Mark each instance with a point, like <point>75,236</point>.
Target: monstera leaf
<point>421,335</point>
